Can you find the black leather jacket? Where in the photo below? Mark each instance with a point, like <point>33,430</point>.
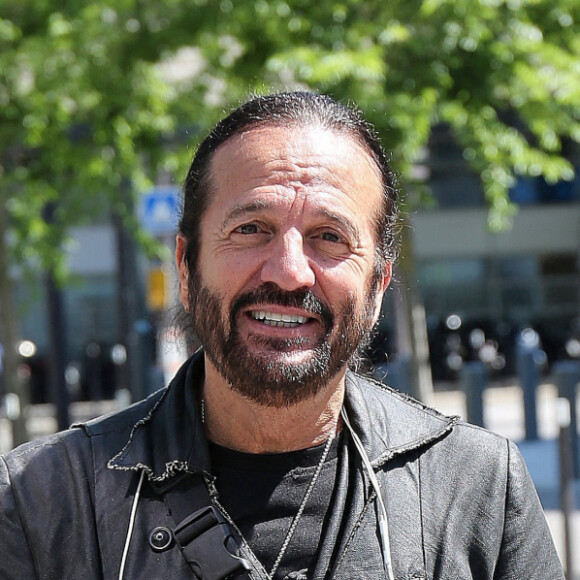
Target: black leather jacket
<point>459,499</point>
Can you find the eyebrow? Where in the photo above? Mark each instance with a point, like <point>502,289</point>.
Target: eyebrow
<point>241,210</point>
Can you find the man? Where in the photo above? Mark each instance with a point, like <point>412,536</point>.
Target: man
<point>266,457</point>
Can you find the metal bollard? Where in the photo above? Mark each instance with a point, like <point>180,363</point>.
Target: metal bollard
<point>567,499</point>
<point>529,375</point>
<point>474,378</point>
<point>566,377</point>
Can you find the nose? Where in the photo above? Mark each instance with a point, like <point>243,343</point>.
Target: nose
<point>287,265</point>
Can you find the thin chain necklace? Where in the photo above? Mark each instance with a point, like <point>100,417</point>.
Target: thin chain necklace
<point>303,503</point>
<point>302,507</point>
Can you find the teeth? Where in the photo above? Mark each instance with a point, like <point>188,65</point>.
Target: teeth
<point>275,319</point>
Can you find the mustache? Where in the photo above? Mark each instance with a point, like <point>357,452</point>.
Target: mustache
<point>270,293</point>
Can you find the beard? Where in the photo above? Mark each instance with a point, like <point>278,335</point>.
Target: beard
<point>272,377</point>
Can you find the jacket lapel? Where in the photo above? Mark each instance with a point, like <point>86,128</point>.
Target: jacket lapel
<point>395,430</point>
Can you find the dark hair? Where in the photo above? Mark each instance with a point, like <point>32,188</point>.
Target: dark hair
<point>283,109</point>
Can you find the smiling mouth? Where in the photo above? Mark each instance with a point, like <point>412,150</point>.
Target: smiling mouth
<point>279,320</point>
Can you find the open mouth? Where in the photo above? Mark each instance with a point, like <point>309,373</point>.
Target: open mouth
<point>280,320</point>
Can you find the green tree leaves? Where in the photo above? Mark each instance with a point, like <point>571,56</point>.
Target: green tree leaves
<point>94,93</point>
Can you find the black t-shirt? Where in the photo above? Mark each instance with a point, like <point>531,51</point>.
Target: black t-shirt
<point>263,492</point>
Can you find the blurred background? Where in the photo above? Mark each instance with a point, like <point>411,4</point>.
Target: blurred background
<point>102,104</point>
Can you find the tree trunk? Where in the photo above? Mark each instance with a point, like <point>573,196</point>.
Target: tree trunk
<point>58,390</point>
<point>412,347</point>
<point>131,306</point>
<point>14,388</point>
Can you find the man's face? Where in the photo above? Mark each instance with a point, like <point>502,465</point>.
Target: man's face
<point>283,292</point>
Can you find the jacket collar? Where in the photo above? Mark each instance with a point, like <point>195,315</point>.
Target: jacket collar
<point>169,438</point>
<point>390,423</point>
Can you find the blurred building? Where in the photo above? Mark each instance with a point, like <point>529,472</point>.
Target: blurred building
<point>480,288</point>
<point>113,308</point>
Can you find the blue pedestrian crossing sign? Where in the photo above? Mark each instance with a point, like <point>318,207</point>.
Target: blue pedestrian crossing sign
<point>159,210</point>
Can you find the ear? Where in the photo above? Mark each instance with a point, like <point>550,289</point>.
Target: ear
<point>182,270</point>
<point>382,286</point>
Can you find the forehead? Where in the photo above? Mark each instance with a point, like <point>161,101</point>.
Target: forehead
<point>317,164</point>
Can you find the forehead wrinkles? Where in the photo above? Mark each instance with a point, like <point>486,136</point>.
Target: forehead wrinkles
<point>257,164</point>
<point>252,161</point>
<point>291,158</point>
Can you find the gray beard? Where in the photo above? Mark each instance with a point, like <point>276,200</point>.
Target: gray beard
<point>272,381</point>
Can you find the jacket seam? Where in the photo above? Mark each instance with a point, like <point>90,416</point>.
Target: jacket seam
<point>22,526</point>
<point>506,502</point>
<point>421,515</point>
<point>90,434</point>
<point>94,502</point>
<point>91,496</point>
<point>31,448</point>
<point>354,531</point>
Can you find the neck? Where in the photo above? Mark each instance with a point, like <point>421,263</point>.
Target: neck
<point>236,422</point>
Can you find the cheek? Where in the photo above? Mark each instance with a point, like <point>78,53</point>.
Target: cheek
<point>345,279</point>
<point>230,269</point>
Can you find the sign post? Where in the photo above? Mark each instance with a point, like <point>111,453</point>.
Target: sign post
<point>159,210</point>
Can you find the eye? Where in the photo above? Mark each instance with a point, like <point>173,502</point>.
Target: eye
<point>332,243</point>
<point>248,229</point>
<point>330,237</point>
